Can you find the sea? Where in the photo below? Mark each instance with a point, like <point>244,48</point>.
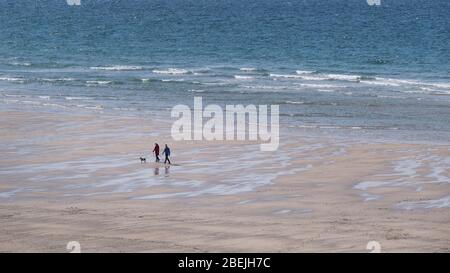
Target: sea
<point>342,67</point>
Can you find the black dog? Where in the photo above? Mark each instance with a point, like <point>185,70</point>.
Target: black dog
<point>143,160</point>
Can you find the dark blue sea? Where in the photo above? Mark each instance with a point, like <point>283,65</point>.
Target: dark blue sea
<point>338,65</point>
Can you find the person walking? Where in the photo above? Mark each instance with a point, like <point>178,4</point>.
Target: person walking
<point>156,151</point>
<point>166,152</point>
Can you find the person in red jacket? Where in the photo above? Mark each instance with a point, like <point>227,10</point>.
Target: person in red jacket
<point>156,151</point>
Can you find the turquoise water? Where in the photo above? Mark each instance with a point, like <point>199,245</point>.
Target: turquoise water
<point>329,64</point>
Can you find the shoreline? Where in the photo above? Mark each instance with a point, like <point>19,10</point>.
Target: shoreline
<point>307,130</point>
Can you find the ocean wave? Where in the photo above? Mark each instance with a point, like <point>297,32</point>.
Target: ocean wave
<point>14,95</point>
<point>382,83</point>
<point>171,71</point>
<point>441,85</point>
<point>313,85</point>
<point>172,80</point>
<point>311,76</point>
<point>78,98</point>
<point>30,102</point>
<point>427,90</point>
<point>314,78</point>
<point>147,80</point>
<point>293,102</point>
<point>248,69</point>
<point>117,68</point>
<point>21,64</point>
<point>54,105</point>
<point>213,83</point>
<point>287,76</point>
<point>303,72</point>
<point>7,101</point>
<point>265,87</point>
<point>390,97</point>
<point>397,81</point>
<point>12,79</point>
<point>371,80</point>
<point>422,87</point>
<point>89,106</point>
<point>98,82</point>
<point>326,90</point>
<point>56,79</point>
<point>344,77</point>
<point>94,107</point>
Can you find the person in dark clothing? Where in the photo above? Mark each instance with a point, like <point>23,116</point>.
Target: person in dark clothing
<point>166,152</point>
<point>156,151</point>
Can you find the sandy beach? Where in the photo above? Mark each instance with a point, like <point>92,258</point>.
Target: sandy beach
<point>77,177</point>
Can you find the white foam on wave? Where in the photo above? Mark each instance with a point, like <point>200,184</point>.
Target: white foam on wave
<point>441,85</point>
<point>382,83</point>
<point>78,98</point>
<point>265,87</point>
<point>416,86</point>
<point>117,68</point>
<point>303,72</point>
<point>248,69</point>
<point>171,71</point>
<point>57,79</point>
<point>240,77</point>
<point>326,90</point>
<point>14,95</point>
<point>316,85</point>
<point>172,80</point>
<point>54,105</point>
<point>7,101</point>
<point>12,79</point>
<point>98,82</point>
<point>94,107</point>
<point>314,78</point>
<point>343,77</point>
<point>287,76</point>
<point>21,63</point>
<point>294,102</point>
<point>30,102</point>
<point>398,81</point>
<point>310,76</point>
<point>425,86</point>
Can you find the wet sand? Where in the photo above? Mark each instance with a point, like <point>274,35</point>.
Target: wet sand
<point>67,177</point>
